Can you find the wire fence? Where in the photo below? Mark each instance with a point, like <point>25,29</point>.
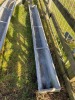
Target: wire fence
<point>64,23</point>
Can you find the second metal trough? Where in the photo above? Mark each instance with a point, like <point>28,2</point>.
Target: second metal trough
<point>46,74</point>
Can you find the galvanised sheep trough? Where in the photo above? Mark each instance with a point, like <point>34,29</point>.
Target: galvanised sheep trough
<point>46,74</point>
<point>6,11</point>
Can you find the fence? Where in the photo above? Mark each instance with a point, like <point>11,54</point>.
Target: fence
<point>62,23</point>
<point>60,20</point>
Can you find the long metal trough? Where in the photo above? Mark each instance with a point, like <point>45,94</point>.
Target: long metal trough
<point>6,10</point>
<point>46,74</point>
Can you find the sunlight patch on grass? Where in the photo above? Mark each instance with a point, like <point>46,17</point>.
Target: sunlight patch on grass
<point>61,20</point>
<point>19,72</point>
<point>4,68</point>
<point>70,6</point>
<point>7,54</point>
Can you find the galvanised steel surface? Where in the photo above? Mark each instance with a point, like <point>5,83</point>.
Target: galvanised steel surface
<point>6,10</point>
<point>46,74</point>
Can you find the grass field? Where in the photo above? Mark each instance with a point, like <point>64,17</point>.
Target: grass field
<point>62,52</point>
<point>58,48</point>
<point>61,20</point>
<point>64,26</point>
<point>17,69</point>
<point>17,65</point>
<point>70,6</point>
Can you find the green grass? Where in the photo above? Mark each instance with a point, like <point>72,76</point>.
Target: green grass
<point>17,69</point>
<point>57,41</point>
<point>65,28</point>
<point>70,6</point>
<point>61,20</point>
<point>61,51</point>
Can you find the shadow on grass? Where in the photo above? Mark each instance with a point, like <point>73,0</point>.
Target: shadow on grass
<point>66,14</point>
<point>66,48</point>
<point>20,73</point>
